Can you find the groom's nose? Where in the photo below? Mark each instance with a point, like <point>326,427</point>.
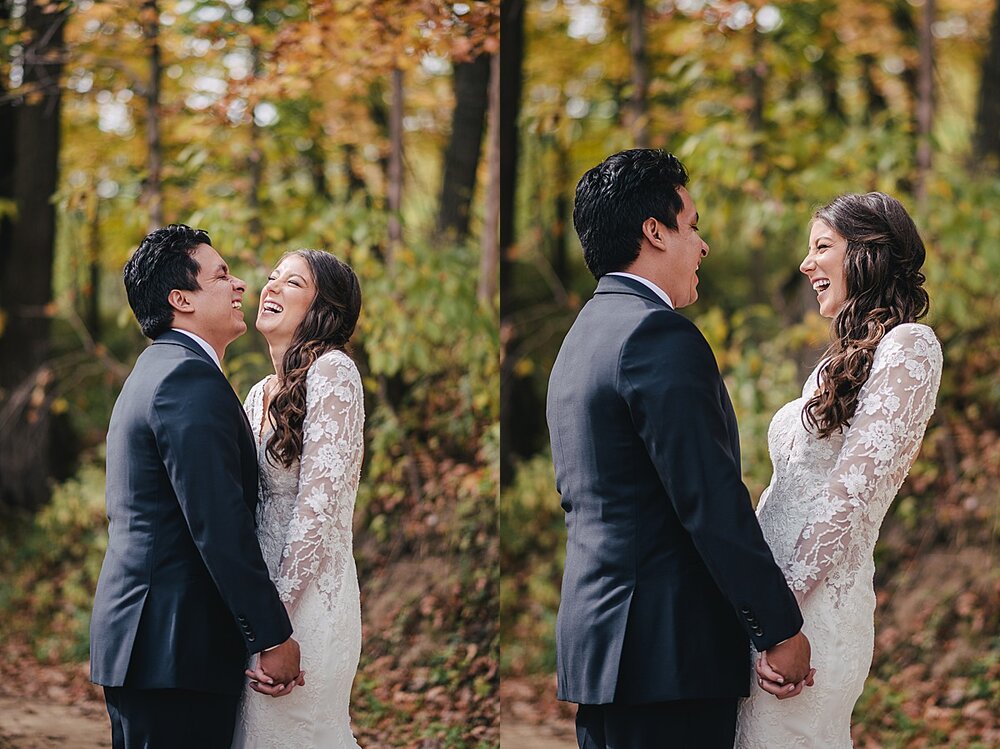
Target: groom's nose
<point>239,284</point>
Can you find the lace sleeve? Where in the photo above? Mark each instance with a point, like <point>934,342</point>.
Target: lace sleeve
<point>879,447</point>
<point>318,542</point>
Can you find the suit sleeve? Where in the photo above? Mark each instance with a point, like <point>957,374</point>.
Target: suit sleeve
<point>671,383</point>
<point>198,439</point>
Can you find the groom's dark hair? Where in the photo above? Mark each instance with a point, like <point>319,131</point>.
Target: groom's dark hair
<point>615,197</point>
<point>162,262</point>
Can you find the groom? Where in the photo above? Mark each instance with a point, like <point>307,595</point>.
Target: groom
<point>184,595</point>
<point>667,573</point>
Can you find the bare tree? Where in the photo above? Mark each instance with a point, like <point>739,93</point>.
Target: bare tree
<point>152,188</point>
<point>987,138</point>
<point>471,81</point>
<point>925,102</point>
<point>490,258</point>
<point>29,175</point>
<point>636,117</point>
<point>395,188</point>
<point>511,77</point>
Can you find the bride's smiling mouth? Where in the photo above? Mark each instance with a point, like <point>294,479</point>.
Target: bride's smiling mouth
<point>271,308</point>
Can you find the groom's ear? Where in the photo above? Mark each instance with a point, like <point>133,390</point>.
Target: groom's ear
<point>653,230</point>
<point>179,300</point>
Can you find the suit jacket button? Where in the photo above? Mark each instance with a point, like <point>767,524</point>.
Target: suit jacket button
<point>251,637</point>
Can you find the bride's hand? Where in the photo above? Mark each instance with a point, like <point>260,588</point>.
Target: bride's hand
<point>773,683</point>
<point>262,683</point>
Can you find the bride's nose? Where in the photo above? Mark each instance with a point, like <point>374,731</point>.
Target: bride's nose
<point>807,263</point>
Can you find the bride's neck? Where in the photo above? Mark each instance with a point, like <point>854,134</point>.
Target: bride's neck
<point>278,349</point>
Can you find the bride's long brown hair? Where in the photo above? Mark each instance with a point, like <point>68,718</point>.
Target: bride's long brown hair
<point>328,324</point>
<point>884,289</point>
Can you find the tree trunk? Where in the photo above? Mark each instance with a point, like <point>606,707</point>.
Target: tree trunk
<point>758,74</point>
<point>490,257</point>
<point>636,118</point>
<point>986,142</point>
<point>26,283</point>
<point>152,188</point>
<point>93,311</point>
<point>511,76</point>
<point>876,101</point>
<point>255,157</point>
<point>461,161</point>
<point>395,187</point>
<point>8,156</point>
<point>354,182</point>
<point>563,212</point>
<point>925,104</point>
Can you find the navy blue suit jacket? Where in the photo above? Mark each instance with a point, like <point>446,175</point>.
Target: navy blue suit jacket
<point>184,595</point>
<point>668,577</point>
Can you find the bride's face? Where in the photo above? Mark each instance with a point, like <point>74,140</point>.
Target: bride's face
<point>285,299</point>
<point>824,267</point>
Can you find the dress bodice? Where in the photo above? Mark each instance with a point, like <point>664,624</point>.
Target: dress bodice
<point>821,517</point>
<point>304,526</point>
<point>828,497</point>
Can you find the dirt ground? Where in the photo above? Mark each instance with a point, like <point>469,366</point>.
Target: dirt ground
<point>532,718</point>
<point>38,724</point>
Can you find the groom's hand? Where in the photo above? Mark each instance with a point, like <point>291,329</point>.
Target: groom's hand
<point>282,662</point>
<point>790,659</point>
<point>773,683</point>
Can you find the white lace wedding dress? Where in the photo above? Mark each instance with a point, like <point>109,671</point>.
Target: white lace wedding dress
<point>821,516</point>
<point>304,525</point>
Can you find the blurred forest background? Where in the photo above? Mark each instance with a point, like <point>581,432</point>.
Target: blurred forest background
<point>775,108</point>
<point>367,128</point>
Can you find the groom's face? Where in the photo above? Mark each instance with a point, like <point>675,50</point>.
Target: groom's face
<point>685,249</point>
<point>215,311</point>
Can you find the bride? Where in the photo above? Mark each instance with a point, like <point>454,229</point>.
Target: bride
<point>840,454</point>
<point>307,420</point>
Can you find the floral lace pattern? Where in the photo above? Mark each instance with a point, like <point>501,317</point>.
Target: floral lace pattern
<point>304,525</point>
<point>821,516</point>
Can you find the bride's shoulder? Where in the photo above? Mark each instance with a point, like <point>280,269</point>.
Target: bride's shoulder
<point>335,364</point>
<point>913,336</point>
<point>908,342</point>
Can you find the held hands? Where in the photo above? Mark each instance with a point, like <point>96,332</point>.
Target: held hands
<point>774,683</point>
<point>277,672</point>
<point>784,669</point>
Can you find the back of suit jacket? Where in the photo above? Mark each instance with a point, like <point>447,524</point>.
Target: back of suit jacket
<point>667,574</point>
<point>184,595</point>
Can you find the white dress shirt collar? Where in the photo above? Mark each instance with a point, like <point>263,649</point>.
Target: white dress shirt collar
<point>645,281</point>
<point>203,343</point>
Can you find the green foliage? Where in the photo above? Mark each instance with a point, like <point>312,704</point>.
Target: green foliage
<point>49,566</point>
<point>821,133</point>
<point>533,549</point>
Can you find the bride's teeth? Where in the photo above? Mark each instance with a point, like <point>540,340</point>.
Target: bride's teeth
<point>821,285</point>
